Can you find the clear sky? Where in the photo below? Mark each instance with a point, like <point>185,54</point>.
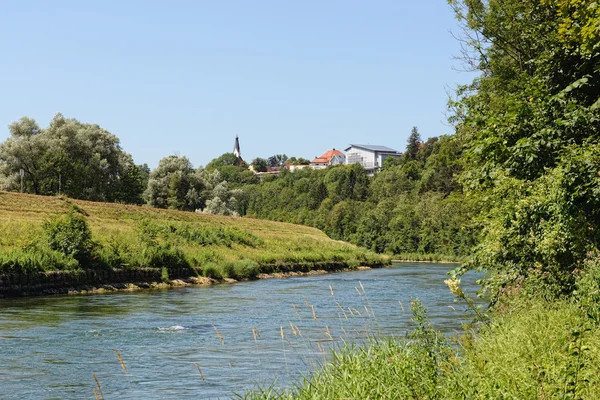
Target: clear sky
<point>186,77</point>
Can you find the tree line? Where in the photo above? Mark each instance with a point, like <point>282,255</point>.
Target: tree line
<point>413,205</point>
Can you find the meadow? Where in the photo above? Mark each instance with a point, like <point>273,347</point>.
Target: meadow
<point>43,233</point>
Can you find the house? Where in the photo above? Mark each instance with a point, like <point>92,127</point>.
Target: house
<point>331,157</point>
<point>371,157</point>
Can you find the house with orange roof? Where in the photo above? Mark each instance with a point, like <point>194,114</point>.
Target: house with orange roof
<point>331,157</point>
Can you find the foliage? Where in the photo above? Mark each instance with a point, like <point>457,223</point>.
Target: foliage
<point>414,142</point>
<point>141,237</point>
<point>175,184</point>
<point>277,160</point>
<point>531,124</point>
<point>411,206</point>
<point>259,164</point>
<point>77,159</point>
<point>70,235</point>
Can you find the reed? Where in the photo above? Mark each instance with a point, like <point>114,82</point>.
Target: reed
<point>219,335</point>
<point>99,394</point>
<point>200,372</point>
<point>120,360</point>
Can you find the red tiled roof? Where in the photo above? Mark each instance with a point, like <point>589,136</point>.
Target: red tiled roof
<point>327,156</point>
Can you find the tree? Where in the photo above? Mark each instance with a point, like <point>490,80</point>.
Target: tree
<point>414,143</point>
<point>225,159</point>
<point>277,160</point>
<point>175,184</point>
<point>530,125</point>
<point>259,164</point>
<point>78,159</point>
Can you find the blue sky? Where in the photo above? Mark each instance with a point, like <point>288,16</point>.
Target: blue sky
<point>186,77</point>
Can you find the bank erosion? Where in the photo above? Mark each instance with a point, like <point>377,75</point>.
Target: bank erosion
<point>60,245</point>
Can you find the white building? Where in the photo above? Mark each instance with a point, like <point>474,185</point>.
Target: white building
<point>369,156</point>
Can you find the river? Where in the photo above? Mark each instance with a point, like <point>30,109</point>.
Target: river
<point>240,335</point>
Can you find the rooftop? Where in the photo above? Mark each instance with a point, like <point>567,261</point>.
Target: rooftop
<point>327,156</point>
<point>379,149</point>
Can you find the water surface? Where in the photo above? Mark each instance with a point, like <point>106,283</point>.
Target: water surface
<point>51,346</point>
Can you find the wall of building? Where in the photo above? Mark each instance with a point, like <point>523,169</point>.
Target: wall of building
<point>364,157</point>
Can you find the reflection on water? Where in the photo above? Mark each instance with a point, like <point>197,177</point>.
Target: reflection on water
<point>239,335</point>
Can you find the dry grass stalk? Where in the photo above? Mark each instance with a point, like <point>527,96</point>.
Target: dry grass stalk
<point>358,312</point>
<point>452,307</point>
<point>351,313</point>
<point>401,306</point>
<point>362,287</point>
<point>281,332</point>
<point>95,394</point>
<point>121,360</point>
<point>328,333</point>
<point>331,289</point>
<point>358,291</point>
<point>294,330</point>
<point>307,303</point>
<point>313,312</point>
<point>200,371</point>
<point>343,312</point>
<point>366,310</point>
<point>100,394</point>
<point>296,309</point>
<point>219,335</point>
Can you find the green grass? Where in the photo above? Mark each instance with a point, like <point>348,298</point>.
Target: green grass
<point>126,236</point>
<point>532,350</point>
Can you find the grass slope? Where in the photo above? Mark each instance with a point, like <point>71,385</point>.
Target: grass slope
<point>126,236</point>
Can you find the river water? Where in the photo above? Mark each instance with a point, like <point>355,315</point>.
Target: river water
<point>267,333</point>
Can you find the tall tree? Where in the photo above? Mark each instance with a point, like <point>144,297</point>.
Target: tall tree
<point>413,145</point>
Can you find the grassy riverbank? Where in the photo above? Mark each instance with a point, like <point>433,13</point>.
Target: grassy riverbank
<point>38,234</point>
<point>534,349</point>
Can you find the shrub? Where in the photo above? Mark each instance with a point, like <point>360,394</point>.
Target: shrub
<point>70,235</point>
<point>32,261</point>
<point>246,269</point>
<point>229,270</point>
<point>211,270</point>
<point>160,256</point>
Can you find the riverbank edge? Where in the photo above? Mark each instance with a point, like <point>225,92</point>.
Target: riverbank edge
<point>103,281</point>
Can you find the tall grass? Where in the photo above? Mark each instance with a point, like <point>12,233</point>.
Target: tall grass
<point>532,349</point>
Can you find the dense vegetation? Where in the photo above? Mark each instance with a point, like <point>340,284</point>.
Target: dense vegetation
<point>414,205</point>
<point>529,126</point>
<point>516,191</point>
<point>55,233</point>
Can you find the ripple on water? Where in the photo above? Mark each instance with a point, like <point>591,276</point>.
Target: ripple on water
<point>52,346</point>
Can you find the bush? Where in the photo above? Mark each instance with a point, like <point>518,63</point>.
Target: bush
<point>160,256</point>
<point>23,261</point>
<point>229,270</point>
<point>70,235</point>
<point>246,269</point>
<point>211,270</point>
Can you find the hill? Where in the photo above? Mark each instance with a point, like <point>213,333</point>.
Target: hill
<point>42,234</point>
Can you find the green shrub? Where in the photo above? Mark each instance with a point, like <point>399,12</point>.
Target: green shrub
<point>164,275</point>
<point>246,269</point>
<point>17,261</point>
<point>70,235</point>
<point>229,270</point>
<point>160,256</point>
<point>211,270</point>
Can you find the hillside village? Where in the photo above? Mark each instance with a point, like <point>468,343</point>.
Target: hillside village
<point>370,157</point>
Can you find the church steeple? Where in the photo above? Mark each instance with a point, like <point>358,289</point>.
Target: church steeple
<point>236,148</point>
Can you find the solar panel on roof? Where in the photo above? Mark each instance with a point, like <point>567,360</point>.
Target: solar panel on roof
<point>375,148</point>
